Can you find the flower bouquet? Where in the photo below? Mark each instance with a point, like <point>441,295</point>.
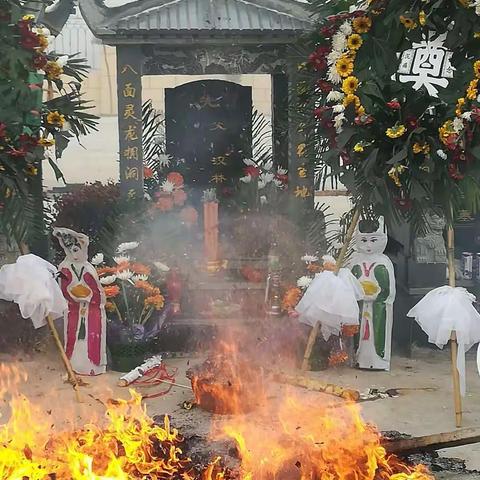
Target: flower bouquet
<point>135,305</point>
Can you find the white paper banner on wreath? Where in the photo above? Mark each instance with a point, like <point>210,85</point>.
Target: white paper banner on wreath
<point>427,64</point>
<point>445,310</point>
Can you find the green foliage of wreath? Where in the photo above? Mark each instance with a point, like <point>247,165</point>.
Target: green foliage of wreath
<point>399,144</point>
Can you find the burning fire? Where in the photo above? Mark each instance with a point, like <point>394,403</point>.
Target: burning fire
<point>312,442</point>
<point>129,445</point>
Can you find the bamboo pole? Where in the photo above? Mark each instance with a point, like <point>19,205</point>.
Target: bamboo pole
<point>72,378</point>
<point>453,338</point>
<point>340,260</point>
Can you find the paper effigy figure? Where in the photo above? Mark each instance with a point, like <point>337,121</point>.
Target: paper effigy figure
<point>85,319</point>
<point>375,272</point>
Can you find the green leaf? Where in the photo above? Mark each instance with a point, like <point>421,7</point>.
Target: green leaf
<point>56,169</point>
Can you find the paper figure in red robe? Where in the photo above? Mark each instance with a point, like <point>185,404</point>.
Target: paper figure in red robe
<point>85,319</point>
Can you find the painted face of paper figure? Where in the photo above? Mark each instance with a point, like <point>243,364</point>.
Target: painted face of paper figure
<point>371,242</point>
<point>75,245</point>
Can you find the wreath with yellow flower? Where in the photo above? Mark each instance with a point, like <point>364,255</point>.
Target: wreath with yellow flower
<point>390,92</point>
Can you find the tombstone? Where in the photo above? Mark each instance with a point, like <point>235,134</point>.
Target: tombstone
<point>208,126</point>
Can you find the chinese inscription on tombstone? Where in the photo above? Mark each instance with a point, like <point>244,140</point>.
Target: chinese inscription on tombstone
<point>130,121</point>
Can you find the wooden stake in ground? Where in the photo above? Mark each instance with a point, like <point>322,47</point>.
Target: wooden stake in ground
<point>453,339</point>
<point>340,260</point>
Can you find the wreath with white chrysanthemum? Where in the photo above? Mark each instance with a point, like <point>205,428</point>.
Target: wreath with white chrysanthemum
<point>397,146</point>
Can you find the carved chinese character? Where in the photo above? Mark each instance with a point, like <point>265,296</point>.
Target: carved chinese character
<point>207,101</point>
<point>131,153</point>
<point>427,64</point>
<point>221,160</point>
<point>131,173</point>
<point>302,172</point>
<point>218,178</point>
<point>131,194</point>
<point>127,68</point>
<point>129,111</point>
<point>129,90</point>
<point>131,133</point>
<point>218,126</point>
<point>302,192</point>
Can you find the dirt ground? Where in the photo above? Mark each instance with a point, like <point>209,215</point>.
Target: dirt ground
<point>423,405</point>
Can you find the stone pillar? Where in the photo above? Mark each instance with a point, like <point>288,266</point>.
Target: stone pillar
<point>280,119</point>
<point>300,168</point>
<point>129,92</point>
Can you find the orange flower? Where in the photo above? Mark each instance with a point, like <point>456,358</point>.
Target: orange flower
<point>291,298</point>
<point>122,266</point>
<point>189,215</point>
<point>179,197</point>
<point>106,271</point>
<point>350,330</point>
<point>164,203</point>
<point>314,268</point>
<point>111,290</point>
<point>147,172</point>
<point>147,287</point>
<point>156,301</point>
<point>140,269</point>
<point>110,307</point>
<point>175,178</point>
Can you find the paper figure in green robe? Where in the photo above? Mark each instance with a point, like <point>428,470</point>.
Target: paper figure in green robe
<point>375,272</point>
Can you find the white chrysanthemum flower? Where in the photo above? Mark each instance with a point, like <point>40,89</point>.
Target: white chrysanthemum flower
<point>335,96</point>
<point>263,200</point>
<point>108,280</point>
<point>123,247</point>
<point>62,61</point>
<point>261,184</point>
<point>246,179</point>
<point>339,42</point>
<point>467,116</point>
<point>333,56</point>
<point>328,259</point>
<point>346,28</point>
<point>121,259</point>
<point>458,125</point>
<point>338,122</point>
<point>268,166</point>
<point>138,277</point>
<point>304,282</point>
<point>125,275</point>
<point>161,266</point>
<point>338,108</point>
<point>167,186</point>
<point>442,154</point>
<point>333,76</point>
<point>278,183</point>
<point>249,162</point>
<point>282,171</point>
<point>97,259</point>
<point>163,160</point>
<point>309,258</point>
<point>267,177</point>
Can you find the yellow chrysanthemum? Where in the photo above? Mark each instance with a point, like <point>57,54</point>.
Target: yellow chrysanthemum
<point>42,42</point>
<point>408,22</point>
<point>476,68</point>
<point>28,18</point>
<point>472,90</point>
<point>396,131</point>
<point>56,119</point>
<point>361,24</point>
<point>394,174</point>
<point>445,131</point>
<point>360,110</point>
<point>53,70</point>
<point>350,85</point>
<point>344,66</point>
<point>46,142</point>
<point>354,41</point>
<point>421,148</point>
<point>459,107</point>
<point>358,147</point>
<point>351,98</point>
<point>422,18</point>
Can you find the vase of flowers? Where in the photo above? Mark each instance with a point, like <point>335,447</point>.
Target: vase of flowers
<point>135,306</point>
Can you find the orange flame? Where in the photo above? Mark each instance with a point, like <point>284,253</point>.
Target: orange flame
<point>129,445</point>
<point>313,441</point>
